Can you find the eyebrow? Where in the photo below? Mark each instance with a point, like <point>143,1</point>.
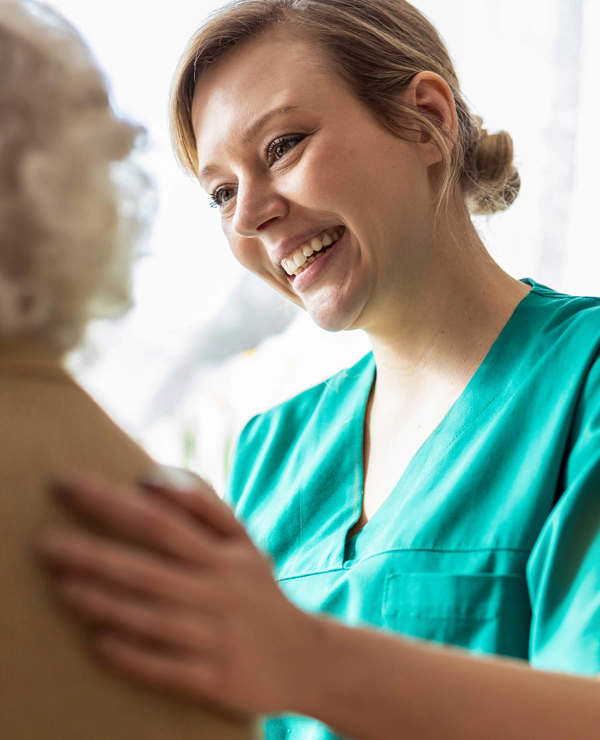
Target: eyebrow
<point>250,134</point>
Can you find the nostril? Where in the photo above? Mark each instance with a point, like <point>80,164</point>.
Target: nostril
<point>267,223</point>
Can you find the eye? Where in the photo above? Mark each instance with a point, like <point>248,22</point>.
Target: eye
<point>279,147</point>
<point>221,196</point>
<point>275,151</point>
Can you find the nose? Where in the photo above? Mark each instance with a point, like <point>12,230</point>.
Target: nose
<point>257,204</point>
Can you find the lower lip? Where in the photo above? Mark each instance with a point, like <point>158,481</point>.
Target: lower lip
<point>309,275</point>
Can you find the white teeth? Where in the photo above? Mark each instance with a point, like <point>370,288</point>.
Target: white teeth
<point>295,263</point>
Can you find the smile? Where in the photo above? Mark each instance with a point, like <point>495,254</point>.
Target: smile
<point>307,253</point>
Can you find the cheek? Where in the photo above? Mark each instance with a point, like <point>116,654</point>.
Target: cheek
<point>328,179</point>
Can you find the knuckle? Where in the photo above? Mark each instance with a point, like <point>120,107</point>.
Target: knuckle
<point>92,604</point>
<point>100,560</point>
<point>153,521</point>
<point>204,593</point>
<point>211,676</point>
<point>235,555</point>
<point>161,625</point>
<point>99,493</point>
<point>158,523</point>
<point>150,579</point>
<point>97,601</point>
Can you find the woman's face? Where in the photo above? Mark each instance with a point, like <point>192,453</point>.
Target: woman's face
<point>301,170</point>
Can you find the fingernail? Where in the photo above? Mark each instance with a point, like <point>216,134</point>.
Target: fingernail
<point>152,482</point>
<point>166,476</point>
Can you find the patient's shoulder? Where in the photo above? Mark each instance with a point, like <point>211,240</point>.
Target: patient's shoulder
<point>53,422</point>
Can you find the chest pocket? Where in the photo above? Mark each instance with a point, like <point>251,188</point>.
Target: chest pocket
<point>483,612</point>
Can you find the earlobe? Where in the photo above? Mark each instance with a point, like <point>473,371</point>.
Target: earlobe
<point>431,94</point>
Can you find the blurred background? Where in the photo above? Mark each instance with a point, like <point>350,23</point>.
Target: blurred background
<point>207,346</point>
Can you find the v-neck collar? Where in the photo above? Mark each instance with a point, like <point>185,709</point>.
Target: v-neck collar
<point>480,391</point>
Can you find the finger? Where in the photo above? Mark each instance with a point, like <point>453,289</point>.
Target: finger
<point>148,521</point>
<point>171,476</point>
<point>141,619</point>
<point>202,503</point>
<point>125,567</point>
<point>191,676</point>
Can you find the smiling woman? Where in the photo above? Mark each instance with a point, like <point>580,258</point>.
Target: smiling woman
<point>317,172</point>
<point>301,149</point>
<point>440,496</point>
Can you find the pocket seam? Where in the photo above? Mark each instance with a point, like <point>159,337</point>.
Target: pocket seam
<point>434,609</point>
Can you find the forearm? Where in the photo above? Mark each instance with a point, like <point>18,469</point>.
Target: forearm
<point>374,686</point>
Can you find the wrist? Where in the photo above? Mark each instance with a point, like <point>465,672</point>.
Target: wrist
<point>313,668</point>
<point>350,678</point>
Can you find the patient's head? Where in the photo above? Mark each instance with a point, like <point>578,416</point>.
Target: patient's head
<point>72,203</point>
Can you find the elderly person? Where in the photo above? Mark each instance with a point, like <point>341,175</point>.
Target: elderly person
<point>72,207</point>
<point>440,497</point>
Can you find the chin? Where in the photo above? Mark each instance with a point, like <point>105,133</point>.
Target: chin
<point>338,310</point>
<point>334,320</point>
<point>327,326</point>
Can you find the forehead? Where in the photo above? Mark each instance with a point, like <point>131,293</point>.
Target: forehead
<point>275,69</point>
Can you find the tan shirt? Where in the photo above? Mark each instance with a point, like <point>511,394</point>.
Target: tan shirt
<point>51,688</point>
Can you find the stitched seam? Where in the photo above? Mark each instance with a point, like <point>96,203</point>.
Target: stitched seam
<point>407,549</point>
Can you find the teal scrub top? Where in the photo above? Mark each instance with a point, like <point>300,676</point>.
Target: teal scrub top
<point>489,541</point>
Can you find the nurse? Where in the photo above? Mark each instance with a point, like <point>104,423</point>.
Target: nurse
<point>414,535</point>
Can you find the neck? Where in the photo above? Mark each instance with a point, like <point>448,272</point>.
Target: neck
<point>437,328</point>
<point>30,351</point>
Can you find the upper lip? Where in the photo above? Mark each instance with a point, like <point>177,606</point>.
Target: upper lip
<point>289,246</point>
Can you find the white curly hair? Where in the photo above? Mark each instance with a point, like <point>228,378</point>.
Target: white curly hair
<point>73,205</point>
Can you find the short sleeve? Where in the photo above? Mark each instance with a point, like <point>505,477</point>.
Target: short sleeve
<point>563,570</point>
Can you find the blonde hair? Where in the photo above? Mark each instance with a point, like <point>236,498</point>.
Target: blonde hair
<point>377,47</point>
<point>72,204</point>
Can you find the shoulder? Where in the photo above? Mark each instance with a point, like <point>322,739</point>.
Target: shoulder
<point>56,424</point>
<point>291,417</point>
<point>576,315</point>
<point>565,330</point>
<point>269,439</point>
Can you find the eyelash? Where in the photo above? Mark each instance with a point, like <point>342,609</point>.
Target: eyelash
<point>213,198</point>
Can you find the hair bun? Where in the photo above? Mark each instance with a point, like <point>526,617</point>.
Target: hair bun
<point>493,180</point>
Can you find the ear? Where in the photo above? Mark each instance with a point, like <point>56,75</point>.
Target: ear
<point>431,94</point>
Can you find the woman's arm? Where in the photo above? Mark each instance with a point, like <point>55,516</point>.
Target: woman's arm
<point>372,685</point>
<point>196,610</point>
